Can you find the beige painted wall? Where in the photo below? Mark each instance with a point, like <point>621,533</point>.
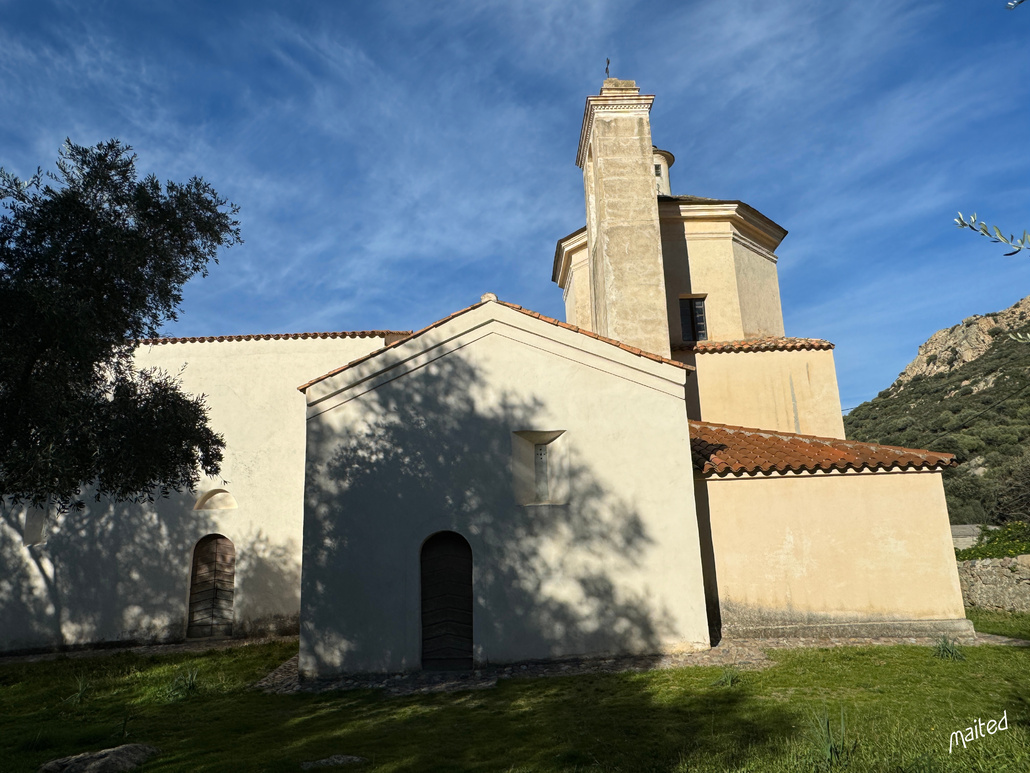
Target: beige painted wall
<point>789,391</point>
<point>758,286</point>
<point>116,572</point>
<point>419,440</point>
<point>578,283</point>
<point>709,256</point>
<point>830,549</point>
<point>699,260</point>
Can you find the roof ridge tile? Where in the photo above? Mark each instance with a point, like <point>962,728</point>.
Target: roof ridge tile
<point>515,307</point>
<point>270,337</point>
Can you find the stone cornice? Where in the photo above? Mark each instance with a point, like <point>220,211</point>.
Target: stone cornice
<point>750,226</point>
<point>608,103</point>
<point>563,255</point>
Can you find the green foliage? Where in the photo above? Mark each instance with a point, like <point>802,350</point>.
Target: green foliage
<point>184,684</point>
<point>985,423</point>
<point>82,686</point>
<point>998,238</point>
<point>728,678</point>
<point>1006,542</point>
<point>93,259</point>
<point>946,649</point>
<point>831,749</point>
<point>971,498</point>
<point>1014,624</point>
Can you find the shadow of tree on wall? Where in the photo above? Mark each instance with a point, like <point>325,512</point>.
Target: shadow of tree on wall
<point>105,572</point>
<point>432,451</point>
<point>23,608</point>
<point>268,585</point>
<point>113,572</point>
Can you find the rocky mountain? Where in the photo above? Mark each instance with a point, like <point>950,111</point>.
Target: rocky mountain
<point>948,349</point>
<point>967,392</point>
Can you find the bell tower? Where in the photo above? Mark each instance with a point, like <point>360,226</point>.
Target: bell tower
<point>623,238</point>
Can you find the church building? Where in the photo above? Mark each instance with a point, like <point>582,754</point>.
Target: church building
<point>662,469</point>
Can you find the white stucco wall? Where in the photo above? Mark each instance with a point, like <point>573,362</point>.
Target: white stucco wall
<point>419,440</point>
<point>114,572</point>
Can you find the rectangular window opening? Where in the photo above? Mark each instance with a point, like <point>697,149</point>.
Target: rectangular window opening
<point>657,170</point>
<point>540,470</point>
<point>692,319</point>
<point>540,467</point>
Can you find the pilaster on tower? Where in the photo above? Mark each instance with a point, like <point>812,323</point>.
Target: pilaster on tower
<point>623,236</point>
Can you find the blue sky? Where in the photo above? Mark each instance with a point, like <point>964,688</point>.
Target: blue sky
<point>395,160</point>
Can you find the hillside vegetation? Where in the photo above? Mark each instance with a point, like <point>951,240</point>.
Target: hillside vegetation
<point>966,393</point>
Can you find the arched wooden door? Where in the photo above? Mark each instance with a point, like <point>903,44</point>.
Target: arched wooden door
<point>446,603</point>
<point>212,585</point>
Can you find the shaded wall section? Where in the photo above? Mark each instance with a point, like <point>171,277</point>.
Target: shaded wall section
<point>122,573</point>
<point>615,568</point>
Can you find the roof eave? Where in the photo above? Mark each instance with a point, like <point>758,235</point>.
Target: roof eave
<point>515,307</point>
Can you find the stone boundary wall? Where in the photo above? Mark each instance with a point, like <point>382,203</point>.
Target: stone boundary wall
<point>996,583</point>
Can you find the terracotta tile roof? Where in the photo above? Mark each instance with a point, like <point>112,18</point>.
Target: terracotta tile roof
<point>276,337</point>
<point>722,449</point>
<point>515,307</point>
<point>770,344</point>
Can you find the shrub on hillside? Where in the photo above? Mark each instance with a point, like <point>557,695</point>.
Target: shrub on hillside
<point>1011,540</point>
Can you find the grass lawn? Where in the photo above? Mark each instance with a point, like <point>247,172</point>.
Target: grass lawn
<point>900,706</point>
<point>1016,624</point>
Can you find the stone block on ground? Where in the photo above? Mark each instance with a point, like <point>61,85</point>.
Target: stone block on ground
<point>332,762</point>
<point>120,758</point>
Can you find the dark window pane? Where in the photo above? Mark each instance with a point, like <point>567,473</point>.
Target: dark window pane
<point>700,328</point>
<point>686,319</point>
<point>692,319</point>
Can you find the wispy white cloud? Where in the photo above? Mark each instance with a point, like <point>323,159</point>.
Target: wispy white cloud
<point>394,162</point>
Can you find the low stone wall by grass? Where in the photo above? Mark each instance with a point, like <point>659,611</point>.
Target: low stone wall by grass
<point>996,583</point>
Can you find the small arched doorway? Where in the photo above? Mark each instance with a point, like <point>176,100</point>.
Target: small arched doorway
<point>212,586</point>
<point>446,603</point>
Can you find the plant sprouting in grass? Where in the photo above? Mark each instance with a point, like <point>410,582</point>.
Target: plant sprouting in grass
<point>184,684</point>
<point>38,742</point>
<point>728,678</point>
<point>946,649</point>
<point>82,685</point>
<point>830,746</point>
<point>123,732</point>
<point>924,763</point>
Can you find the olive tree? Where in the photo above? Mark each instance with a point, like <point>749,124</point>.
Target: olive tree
<point>93,259</point>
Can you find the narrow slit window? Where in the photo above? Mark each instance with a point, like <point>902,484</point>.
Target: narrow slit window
<point>540,467</point>
<point>540,470</point>
<point>657,170</point>
<point>692,319</point>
